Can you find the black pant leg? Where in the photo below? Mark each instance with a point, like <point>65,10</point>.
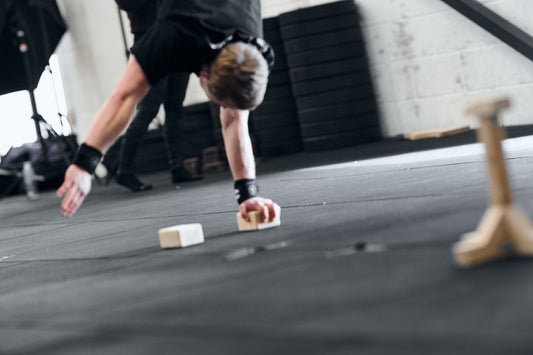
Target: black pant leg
<point>146,111</point>
<point>173,130</point>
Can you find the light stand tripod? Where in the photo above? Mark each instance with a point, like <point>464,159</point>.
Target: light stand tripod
<point>24,42</point>
<point>22,39</point>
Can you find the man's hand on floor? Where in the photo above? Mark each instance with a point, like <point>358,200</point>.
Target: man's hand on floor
<point>268,209</point>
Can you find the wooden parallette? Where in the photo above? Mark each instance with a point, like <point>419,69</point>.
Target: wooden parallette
<point>489,108</point>
<point>256,222</point>
<point>504,231</point>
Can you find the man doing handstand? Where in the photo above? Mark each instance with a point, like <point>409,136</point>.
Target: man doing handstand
<point>220,41</point>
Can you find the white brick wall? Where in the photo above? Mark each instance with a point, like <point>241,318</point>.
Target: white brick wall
<point>427,60</point>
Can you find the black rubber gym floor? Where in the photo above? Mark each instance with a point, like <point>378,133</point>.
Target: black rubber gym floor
<point>361,264</point>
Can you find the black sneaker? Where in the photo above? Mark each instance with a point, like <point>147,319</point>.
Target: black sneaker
<point>132,182</point>
<point>183,175</point>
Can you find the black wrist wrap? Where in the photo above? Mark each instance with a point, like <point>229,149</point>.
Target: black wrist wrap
<point>87,158</point>
<point>245,189</point>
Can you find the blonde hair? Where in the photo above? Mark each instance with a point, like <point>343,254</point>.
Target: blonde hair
<point>239,73</point>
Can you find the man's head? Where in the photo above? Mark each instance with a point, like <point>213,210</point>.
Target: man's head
<point>237,77</point>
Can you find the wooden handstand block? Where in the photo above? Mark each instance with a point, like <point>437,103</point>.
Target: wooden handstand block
<point>256,222</point>
<point>181,236</point>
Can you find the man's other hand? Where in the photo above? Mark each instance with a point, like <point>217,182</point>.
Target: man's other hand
<point>75,188</point>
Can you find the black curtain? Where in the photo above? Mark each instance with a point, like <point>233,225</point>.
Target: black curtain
<point>2,16</point>
<point>43,28</point>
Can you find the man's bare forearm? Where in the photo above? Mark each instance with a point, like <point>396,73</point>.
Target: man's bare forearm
<point>116,112</point>
<point>237,143</point>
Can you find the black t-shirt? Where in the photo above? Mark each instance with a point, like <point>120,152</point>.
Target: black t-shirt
<point>188,34</point>
<point>225,16</point>
<point>141,13</point>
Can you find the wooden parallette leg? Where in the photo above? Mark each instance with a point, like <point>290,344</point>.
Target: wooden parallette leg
<point>504,231</point>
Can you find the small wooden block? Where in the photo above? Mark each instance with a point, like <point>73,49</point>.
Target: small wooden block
<point>256,223</point>
<point>181,236</point>
<point>436,133</point>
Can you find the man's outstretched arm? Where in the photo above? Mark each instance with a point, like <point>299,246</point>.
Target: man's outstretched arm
<point>109,122</point>
<point>241,160</point>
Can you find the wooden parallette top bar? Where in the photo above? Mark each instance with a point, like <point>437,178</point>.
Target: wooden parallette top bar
<point>488,108</point>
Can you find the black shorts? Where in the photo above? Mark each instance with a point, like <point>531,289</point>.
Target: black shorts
<point>180,45</point>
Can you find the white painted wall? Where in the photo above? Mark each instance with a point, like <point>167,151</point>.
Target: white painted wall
<point>91,57</point>
<point>427,60</point>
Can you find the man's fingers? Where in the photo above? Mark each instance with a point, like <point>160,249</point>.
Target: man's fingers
<point>67,190</point>
<point>64,187</point>
<point>268,210</point>
<point>244,212</point>
<point>264,211</point>
<point>273,210</point>
<point>72,201</point>
<point>66,204</point>
<point>70,208</point>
